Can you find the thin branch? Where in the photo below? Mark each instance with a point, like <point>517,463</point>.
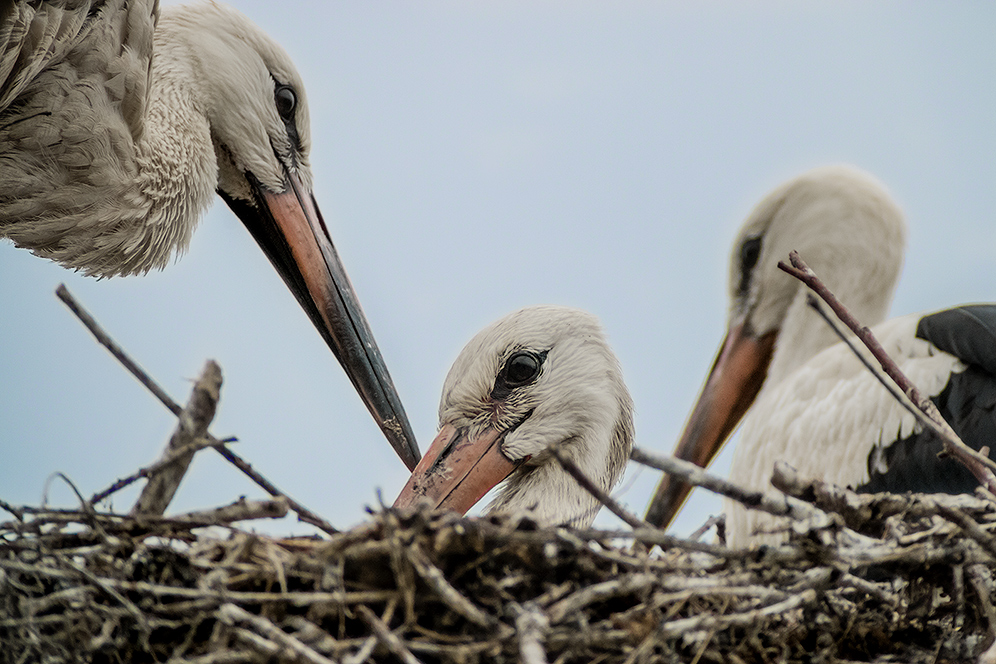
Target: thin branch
<point>232,614</point>
<point>114,349</point>
<point>892,389</point>
<point>771,503</point>
<point>605,499</point>
<point>435,578</point>
<point>388,638</point>
<point>240,510</point>
<point>195,446</point>
<point>980,466</point>
<point>304,514</point>
<point>531,625</point>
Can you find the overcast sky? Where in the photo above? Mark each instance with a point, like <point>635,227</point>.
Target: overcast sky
<point>474,158</point>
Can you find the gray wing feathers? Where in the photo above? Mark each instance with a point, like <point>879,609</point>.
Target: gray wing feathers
<point>32,36</point>
<point>75,80</point>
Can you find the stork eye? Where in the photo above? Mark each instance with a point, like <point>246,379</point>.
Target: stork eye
<point>521,368</point>
<point>750,251</point>
<point>286,101</point>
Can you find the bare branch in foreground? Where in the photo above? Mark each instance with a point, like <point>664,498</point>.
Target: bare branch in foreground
<point>766,502</point>
<point>232,614</point>
<point>387,638</point>
<point>304,514</point>
<point>240,510</point>
<point>572,469</point>
<point>980,466</point>
<point>167,459</point>
<point>193,424</point>
<point>531,625</point>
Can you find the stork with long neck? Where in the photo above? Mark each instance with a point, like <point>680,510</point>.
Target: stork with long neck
<point>816,406</point>
<point>117,125</point>
<point>540,377</point>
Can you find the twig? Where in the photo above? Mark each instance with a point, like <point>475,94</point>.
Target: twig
<point>195,446</point>
<point>105,340</point>
<point>710,622</point>
<point>303,513</point>
<point>18,512</point>
<point>233,614</point>
<point>718,521</point>
<point>433,576</point>
<point>599,592</point>
<point>193,424</point>
<point>241,510</point>
<point>568,464</point>
<point>766,502</point>
<point>896,394</point>
<point>980,466</point>
<point>531,625</point>
<point>390,641</point>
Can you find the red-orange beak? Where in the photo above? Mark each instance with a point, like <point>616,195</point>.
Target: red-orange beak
<point>729,390</point>
<point>457,470</point>
<point>291,231</point>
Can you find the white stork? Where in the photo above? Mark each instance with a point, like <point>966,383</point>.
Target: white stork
<point>816,406</point>
<point>118,122</point>
<point>539,377</point>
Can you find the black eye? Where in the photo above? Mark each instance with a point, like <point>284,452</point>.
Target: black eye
<point>521,368</point>
<point>750,251</point>
<point>286,101</point>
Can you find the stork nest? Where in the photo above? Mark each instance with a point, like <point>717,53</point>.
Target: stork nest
<point>884,579</point>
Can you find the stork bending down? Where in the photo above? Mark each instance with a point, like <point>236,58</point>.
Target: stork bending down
<point>816,406</point>
<point>540,377</point>
<point>117,125</point>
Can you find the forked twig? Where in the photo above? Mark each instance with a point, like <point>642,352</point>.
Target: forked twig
<point>105,340</point>
<point>979,465</point>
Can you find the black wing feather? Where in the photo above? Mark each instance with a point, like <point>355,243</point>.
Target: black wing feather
<point>967,402</point>
<point>967,332</point>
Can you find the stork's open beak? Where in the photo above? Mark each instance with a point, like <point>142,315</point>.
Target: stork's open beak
<point>457,470</point>
<point>734,381</point>
<point>290,230</point>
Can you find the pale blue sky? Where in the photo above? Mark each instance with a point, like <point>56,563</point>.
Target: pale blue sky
<point>473,158</point>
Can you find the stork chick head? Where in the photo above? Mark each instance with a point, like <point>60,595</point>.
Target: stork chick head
<point>539,377</point>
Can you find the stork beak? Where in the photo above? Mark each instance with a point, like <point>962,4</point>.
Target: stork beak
<point>290,230</point>
<point>734,381</point>
<point>457,470</point>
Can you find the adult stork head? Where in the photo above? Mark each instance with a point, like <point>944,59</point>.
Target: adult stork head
<point>118,124</point>
<point>540,377</point>
<point>847,228</point>
<point>254,103</point>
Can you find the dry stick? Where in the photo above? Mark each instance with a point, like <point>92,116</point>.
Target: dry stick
<point>531,626</point>
<point>599,592</point>
<point>304,514</point>
<point>777,505</point>
<point>241,510</point>
<point>195,446</point>
<point>433,576</point>
<point>979,465</point>
<point>193,422</point>
<point>388,638</point>
<point>232,614</point>
<point>682,626</point>
<point>568,464</point>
